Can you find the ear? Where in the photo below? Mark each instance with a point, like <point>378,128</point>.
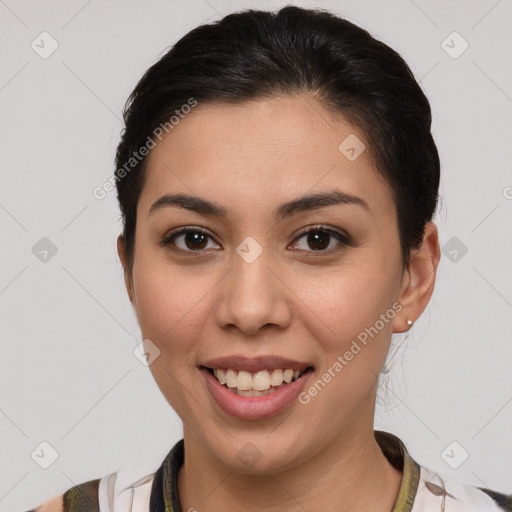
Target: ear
<point>121,250</point>
<point>419,279</point>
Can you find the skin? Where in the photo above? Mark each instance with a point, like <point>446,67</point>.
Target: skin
<point>292,301</point>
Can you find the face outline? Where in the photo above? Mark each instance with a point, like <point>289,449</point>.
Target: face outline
<point>291,301</point>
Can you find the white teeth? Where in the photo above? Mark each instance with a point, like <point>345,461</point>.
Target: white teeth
<point>288,376</point>
<point>261,381</point>
<point>253,392</point>
<point>250,392</point>
<point>258,384</point>
<point>244,381</point>
<point>230,377</point>
<point>276,377</point>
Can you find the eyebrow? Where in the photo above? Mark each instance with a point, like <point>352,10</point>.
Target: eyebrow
<point>301,204</point>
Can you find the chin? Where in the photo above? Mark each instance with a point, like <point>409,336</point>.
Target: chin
<point>258,454</point>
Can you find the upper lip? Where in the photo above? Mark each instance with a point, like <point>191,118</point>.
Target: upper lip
<point>252,364</point>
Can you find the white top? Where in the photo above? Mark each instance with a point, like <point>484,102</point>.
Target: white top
<point>458,496</point>
<point>421,489</point>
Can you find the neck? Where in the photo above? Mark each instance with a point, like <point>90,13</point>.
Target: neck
<point>351,471</point>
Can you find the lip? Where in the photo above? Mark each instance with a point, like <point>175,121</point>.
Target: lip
<point>254,364</point>
<point>255,407</point>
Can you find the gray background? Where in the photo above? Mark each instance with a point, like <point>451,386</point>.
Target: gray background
<point>69,376</point>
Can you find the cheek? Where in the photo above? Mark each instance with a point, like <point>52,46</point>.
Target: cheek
<point>350,300</point>
<point>168,306</point>
<point>172,306</point>
<point>164,294</point>
<point>358,312</point>
<point>158,308</point>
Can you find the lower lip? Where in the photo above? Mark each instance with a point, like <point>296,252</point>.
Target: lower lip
<point>254,407</point>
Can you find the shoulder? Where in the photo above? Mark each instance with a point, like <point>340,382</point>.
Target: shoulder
<point>440,492</point>
<point>111,493</point>
<point>55,504</point>
<point>81,497</point>
<point>119,491</point>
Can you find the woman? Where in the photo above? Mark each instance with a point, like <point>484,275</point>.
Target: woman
<point>277,180</point>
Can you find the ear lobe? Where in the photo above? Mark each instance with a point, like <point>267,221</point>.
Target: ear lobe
<point>419,279</point>
<point>121,251</point>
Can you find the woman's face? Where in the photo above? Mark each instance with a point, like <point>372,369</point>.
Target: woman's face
<point>254,288</point>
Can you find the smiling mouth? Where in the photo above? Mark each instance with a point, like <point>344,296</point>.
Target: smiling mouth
<point>260,383</point>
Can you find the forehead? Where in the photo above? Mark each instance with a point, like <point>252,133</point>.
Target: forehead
<point>261,151</point>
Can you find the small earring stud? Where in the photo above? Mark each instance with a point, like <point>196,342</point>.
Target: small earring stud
<point>409,322</point>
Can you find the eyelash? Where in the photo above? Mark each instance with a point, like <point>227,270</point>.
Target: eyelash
<point>344,240</point>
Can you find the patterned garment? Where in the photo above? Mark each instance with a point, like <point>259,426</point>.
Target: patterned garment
<point>421,490</point>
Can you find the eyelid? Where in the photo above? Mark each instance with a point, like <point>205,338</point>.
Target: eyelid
<point>166,240</point>
<point>343,238</point>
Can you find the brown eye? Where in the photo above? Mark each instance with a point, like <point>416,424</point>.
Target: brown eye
<point>188,240</point>
<point>318,240</point>
<point>195,240</point>
<point>321,239</point>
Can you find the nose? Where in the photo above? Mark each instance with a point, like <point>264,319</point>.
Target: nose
<point>252,297</point>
